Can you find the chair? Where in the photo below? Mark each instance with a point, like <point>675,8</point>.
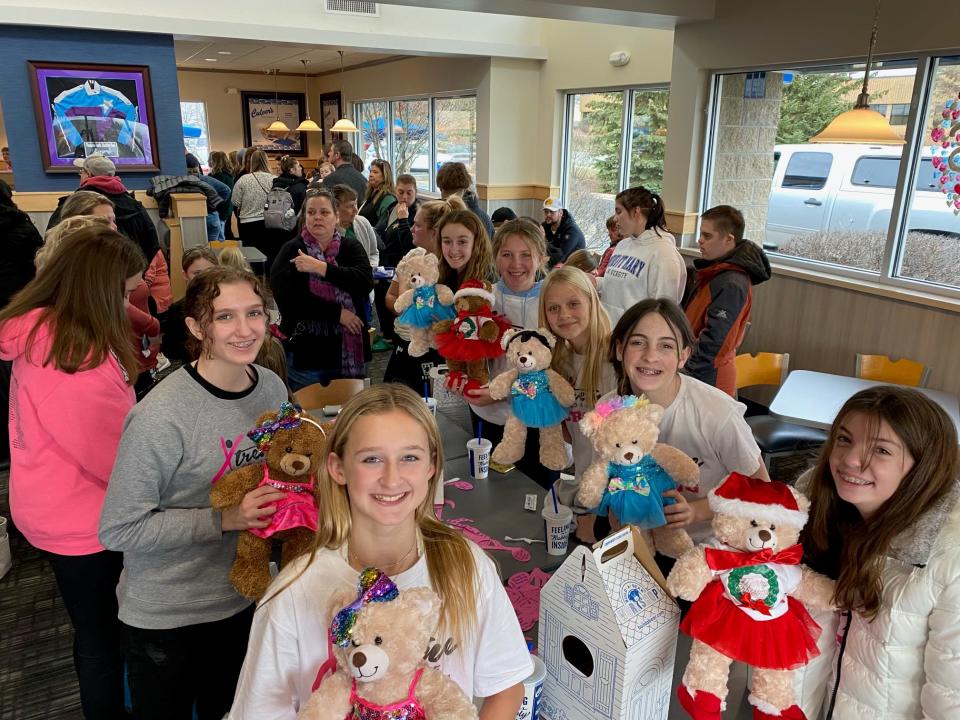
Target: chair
<point>774,437</point>
<point>901,372</point>
<point>317,396</point>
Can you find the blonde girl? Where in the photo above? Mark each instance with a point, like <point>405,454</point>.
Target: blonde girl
<point>232,256</point>
<point>465,252</point>
<point>377,486</point>
<point>570,308</point>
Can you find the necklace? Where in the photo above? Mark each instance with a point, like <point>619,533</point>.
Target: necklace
<point>392,565</point>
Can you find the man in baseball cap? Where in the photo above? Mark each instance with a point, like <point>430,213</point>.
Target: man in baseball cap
<point>563,234</point>
<point>95,166</point>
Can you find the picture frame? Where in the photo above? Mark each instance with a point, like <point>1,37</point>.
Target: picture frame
<point>85,108</point>
<point>260,108</point>
<point>331,105</point>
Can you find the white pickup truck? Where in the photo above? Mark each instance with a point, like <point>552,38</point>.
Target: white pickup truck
<point>831,187</point>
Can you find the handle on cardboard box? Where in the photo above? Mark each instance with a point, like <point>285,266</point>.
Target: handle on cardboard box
<point>617,545</point>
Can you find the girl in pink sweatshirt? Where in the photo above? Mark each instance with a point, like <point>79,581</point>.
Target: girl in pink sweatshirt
<point>68,337</point>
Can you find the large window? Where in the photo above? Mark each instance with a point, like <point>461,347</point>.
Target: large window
<point>195,133</point>
<point>866,209</point>
<point>613,140</point>
<point>418,135</point>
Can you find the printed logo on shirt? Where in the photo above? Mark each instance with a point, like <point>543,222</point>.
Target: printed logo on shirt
<point>627,263</point>
<point>720,314</point>
<point>236,457</point>
<point>436,650</point>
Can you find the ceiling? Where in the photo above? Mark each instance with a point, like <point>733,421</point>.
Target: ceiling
<point>256,56</point>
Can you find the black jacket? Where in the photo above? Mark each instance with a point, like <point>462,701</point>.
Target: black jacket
<point>296,186</point>
<point>19,242</point>
<point>347,175</point>
<point>162,186</point>
<point>473,205</point>
<point>397,236</point>
<point>567,239</point>
<point>375,212</point>
<point>297,305</point>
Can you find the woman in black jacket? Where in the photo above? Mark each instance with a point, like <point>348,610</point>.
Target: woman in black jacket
<point>292,180</point>
<point>321,282</point>
<point>20,241</point>
<point>381,193</point>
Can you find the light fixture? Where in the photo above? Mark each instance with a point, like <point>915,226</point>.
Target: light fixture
<point>307,125</point>
<point>343,125</point>
<point>861,124</point>
<point>277,125</point>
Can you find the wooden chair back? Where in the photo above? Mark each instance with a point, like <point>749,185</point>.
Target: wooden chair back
<point>315,397</point>
<point>900,372</point>
<point>762,369</point>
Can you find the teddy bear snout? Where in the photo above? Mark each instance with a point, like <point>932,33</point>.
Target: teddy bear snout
<point>525,360</point>
<point>416,280</point>
<point>368,663</point>
<point>359,659</point>
<point>764,535</point>
<point>761,538</point>
<point>295,464</point>
<point>628,456</point>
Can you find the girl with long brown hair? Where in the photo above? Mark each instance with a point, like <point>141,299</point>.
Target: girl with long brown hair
<point>384,461</point>
<point>72,386</point>
<point>885,522</point>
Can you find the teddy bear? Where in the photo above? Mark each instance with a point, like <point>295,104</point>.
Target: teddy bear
<point>631,470</point>
<point>292,443</point>
<point>424,302</point>
<point>471,338</point>
<point>539,398</point>
<point>748,592</point>
<point>378,637</point>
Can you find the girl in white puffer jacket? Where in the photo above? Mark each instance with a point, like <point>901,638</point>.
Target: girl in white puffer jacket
<point>885,522</point>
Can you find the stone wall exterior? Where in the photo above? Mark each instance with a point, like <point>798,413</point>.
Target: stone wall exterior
<point>746,135</point>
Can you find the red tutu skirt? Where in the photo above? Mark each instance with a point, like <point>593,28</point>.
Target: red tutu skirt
<point>783,643</point>
<point>453,346</point>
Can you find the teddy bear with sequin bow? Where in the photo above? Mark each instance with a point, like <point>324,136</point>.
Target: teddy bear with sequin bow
<point>378,638</point>
<point>631,470</point>
<point>292,443</point>
<point>539,398</point>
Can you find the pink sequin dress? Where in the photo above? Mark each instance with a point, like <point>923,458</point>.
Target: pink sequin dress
<point>409,709</point>
<point>297,509</point>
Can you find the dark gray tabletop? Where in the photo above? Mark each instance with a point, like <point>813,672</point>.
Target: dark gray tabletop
<point>454,437</point>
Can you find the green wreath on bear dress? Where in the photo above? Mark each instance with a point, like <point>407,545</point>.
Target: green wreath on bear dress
<point>773,585</point>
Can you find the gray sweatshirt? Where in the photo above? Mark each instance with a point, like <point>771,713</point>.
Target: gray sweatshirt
<point>176,442</point>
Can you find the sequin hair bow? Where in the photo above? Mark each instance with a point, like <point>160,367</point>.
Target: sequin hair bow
<point>373,586</point>
<point>288,418</point>
<point>619,402</point>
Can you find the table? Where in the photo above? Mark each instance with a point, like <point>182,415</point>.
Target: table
<point>814,398</point>
<point>454,438</point>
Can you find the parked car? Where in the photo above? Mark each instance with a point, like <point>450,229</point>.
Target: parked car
<point>831,186</point>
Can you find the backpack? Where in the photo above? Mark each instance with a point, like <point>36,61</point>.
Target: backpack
<point>278,212</point>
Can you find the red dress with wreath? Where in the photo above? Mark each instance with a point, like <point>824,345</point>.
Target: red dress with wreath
<point>463,343</point>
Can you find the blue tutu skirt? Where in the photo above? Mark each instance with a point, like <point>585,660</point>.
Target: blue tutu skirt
<point>425,309</point>
<point>635,493</point>
<point>533,403</point>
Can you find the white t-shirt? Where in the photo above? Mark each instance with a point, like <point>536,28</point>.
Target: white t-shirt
<point>288,640</point>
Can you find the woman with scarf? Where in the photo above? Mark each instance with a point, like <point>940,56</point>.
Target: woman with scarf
<point>321,281</point>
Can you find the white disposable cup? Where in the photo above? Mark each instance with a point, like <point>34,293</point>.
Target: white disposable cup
<point>478,452</point>
<point>532,691</point>
<point>557,528</point>
<point>431,405</point>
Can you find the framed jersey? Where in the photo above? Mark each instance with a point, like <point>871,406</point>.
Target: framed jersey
<point>87,109</point>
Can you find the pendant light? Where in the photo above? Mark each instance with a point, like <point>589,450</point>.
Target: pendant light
<point>277,125</point>
<point>343,125</point>
<point>861,124</point>
<point>307,125</point>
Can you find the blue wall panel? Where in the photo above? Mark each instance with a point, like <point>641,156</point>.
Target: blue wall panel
<point>19,44</point>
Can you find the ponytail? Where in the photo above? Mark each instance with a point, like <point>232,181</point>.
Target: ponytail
<point>649,202</point>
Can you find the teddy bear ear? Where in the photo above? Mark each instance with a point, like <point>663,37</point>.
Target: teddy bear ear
<point>590,423</point>
<point>548,336</point>
<point>338,601</point>
<point>653,413</point>
<point>507,337</point>
<point>423,601</point>
<point>802,502</point>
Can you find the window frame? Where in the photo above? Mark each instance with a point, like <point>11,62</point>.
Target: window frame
<point>206,123</point>
<point>430,99</point>
<point>914,134</point>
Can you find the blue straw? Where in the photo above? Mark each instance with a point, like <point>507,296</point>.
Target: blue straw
<point>479,430</point>
<point>553,494</point>
<point>426,391</point>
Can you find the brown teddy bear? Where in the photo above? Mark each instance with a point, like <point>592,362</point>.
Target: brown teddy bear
<point>748,596</point>
<point>539,398</point>
<point>292,443</point>
<point>472,337</point>
<point>631,470</point>
<point>424,302</point>
<point>379,637</point>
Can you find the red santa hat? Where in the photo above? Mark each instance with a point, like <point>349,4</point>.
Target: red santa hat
<point>477,288</point>
<point>754,499</point>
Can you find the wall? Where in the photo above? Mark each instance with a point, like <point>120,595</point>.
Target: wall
<point>20,44</point>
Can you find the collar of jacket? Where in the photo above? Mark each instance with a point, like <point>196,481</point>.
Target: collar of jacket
<point>914,545</point>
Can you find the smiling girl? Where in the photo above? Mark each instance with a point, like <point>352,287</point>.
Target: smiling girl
<point>885,522</point>
<point>650,345</point>
<point>377,488</point>
<point>185,625</point>
<point>465,249</point>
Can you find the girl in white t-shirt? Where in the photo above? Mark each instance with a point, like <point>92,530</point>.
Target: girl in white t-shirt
<point>571,310</point>
<point>376,490</point>
<point>649,347</point>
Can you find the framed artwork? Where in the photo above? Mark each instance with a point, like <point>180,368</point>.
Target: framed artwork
<point>261,108</point>
<point>330,104</point>
<point>85,109</point>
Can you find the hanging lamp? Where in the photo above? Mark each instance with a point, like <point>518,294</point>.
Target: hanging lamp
<point>307,125</point>
<point>861,124</point>
<point>343,125</point>
<point>277,125</point>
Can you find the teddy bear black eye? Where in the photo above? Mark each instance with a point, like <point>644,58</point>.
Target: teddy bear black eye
<point>753,523</point>
<point>618,444</point>
<point>289,449</point>
<point>635,441</point>
<point>773,527</point>
<point>354,643</point>
<point>378,640</point>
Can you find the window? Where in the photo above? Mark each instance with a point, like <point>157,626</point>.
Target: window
<point>613,140</point>
<point>807,170</point>
<point>838,204</point>
<point>195,134</point>
<point>418,135</point>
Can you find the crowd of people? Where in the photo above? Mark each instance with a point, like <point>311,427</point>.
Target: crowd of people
<point>111,470</point>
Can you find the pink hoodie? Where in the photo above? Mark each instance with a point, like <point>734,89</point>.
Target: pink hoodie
<point>64,433</point>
